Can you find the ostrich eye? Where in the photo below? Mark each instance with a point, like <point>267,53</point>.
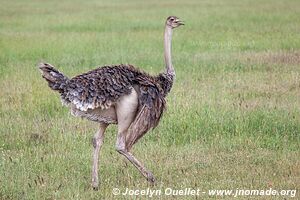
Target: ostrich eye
<point>172,19</point>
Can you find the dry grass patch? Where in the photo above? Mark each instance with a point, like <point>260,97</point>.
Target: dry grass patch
<point>271,58</point>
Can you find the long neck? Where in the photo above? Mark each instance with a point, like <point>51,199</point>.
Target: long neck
<point>167,48</point>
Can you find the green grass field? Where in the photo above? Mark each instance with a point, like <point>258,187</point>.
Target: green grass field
<point>233,117</point>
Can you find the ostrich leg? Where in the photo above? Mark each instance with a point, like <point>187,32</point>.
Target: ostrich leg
<point>97,143</point>
<point>126,112</point>
<point>120,145</point>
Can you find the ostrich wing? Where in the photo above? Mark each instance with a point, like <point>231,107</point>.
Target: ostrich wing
<point>99,88</point>
<point>152,105</point>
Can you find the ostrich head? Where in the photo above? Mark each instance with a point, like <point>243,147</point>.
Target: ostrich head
<point>174,22</point>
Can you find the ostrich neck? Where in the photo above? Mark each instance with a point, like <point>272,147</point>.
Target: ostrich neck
<point>167,47</point>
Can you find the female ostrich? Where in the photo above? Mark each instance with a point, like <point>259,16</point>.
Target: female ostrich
<point>119,94</point>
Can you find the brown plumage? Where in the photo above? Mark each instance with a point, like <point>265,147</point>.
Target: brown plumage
<point>103,87</point>
<point>120,94</point>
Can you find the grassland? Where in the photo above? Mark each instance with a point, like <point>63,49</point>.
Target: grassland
<point>233,118</point>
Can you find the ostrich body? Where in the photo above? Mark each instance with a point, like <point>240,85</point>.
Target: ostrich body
<point>119,94</point>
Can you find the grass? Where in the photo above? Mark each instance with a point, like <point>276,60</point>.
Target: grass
<point>233,118</point>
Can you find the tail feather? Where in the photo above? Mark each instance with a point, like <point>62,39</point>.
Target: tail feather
<point>56,80</point>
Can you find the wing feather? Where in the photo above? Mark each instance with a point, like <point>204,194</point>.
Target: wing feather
<point>98,88</point>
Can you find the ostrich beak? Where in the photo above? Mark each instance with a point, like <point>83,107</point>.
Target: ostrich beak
<point>179,22</point>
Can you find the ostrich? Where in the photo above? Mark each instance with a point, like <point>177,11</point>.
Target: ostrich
<point>118,94</point>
